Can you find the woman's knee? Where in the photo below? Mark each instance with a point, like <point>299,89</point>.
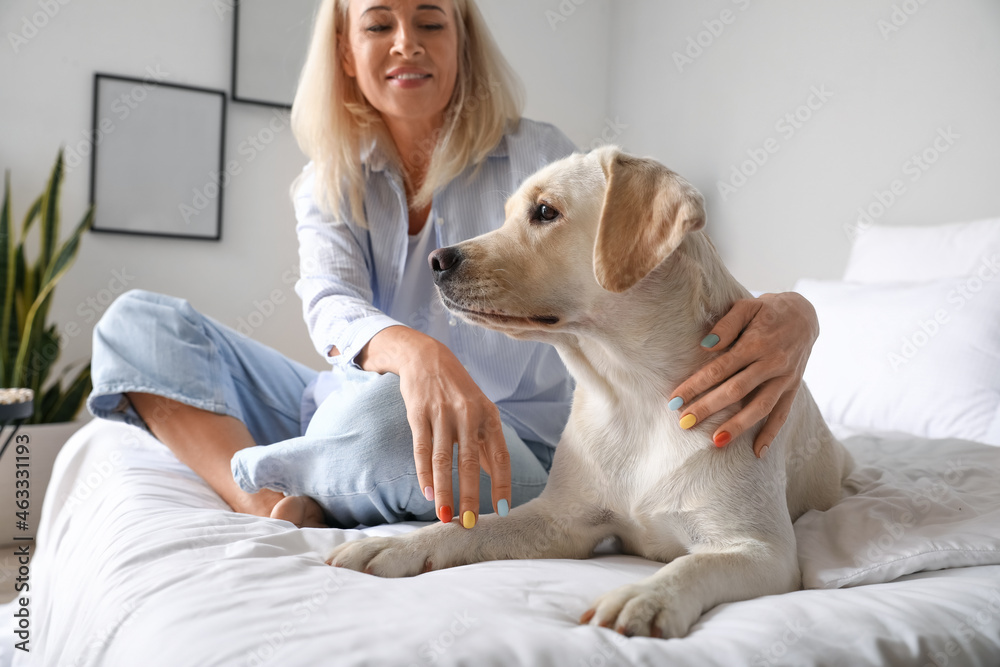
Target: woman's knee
<point>136,305</point>
<point>369,404</point>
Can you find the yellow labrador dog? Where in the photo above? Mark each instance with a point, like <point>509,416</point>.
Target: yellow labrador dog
<point>602,256</point>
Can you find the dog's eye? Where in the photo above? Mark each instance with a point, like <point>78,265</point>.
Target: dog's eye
<point>545,213</point>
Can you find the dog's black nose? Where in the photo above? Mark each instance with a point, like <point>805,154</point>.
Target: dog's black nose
<point>444,261</point>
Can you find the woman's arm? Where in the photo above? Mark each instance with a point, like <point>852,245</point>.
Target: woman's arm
<point>769,340</point>
<point>444,406</point>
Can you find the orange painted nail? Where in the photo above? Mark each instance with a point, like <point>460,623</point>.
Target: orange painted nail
<point>722,439</point>
<point>445,514</point>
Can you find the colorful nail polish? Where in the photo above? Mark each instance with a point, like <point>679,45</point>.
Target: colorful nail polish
<point>502,507</point>
<point>429,493</point>
<point>688,420</point>
<point>675,403</point>
<point>722,439</point>
<point>445,514</point>
<point>710,340</point>
<point>469,519</point>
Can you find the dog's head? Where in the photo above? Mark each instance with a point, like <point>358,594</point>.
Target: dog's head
<point>576,233</point>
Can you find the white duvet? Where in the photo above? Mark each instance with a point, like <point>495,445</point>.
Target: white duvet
<point>140,563</point>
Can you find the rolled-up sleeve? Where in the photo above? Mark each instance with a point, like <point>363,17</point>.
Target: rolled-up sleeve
<point>334,281</point>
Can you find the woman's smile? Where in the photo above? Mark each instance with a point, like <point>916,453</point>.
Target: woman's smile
<point>409,77</point>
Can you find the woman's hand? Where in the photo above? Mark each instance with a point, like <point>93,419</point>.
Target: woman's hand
<point>444,406</point>
<point>769,340</point>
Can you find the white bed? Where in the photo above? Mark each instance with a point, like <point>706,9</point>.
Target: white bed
<point>139,563</point>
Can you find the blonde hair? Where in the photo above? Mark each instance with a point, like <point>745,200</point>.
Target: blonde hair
<point>332,121</point>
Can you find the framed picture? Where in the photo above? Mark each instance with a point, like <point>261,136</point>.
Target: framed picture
<point>157,158</point>
<point>270,40</point>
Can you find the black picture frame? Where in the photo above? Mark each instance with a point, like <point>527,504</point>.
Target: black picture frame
<point>270,41</point>
<point>157,158</point>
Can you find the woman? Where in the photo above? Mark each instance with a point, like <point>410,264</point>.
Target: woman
<point>409,115</point>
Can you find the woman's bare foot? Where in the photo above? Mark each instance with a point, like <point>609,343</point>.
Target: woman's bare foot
<point>303,511</point>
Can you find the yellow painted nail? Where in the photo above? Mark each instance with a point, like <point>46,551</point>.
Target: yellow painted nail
<point>688,420</point>
<point>469,519</point>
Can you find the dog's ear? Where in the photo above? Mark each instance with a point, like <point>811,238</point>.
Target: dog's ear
<point>647,211</point>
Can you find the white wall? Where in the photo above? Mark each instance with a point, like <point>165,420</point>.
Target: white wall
<point>45,102</point>
<point>594,68</point>
<point>892,90</point>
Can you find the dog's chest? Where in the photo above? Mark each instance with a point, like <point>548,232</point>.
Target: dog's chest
<point>628,462</point>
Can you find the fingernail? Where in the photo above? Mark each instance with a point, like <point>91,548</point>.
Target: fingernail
<point>445,514</point>
<point>502,507</point>
<point>709,341</point>
<point>429,493</point>
<point>469,519</point>
<point>722,439</point>
<point>675,403</point>
<point>688,420</point>
<point>763,450</point>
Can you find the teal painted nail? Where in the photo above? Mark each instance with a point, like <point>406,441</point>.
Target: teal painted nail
<point>710,340</point>
<point>675,403</point>
<point>502,507</point>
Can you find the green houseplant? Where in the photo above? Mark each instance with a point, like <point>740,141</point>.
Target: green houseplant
<point>29,345</point>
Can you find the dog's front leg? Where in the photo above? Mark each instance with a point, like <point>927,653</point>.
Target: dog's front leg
<point>541,528</point>
<point>668,603</point>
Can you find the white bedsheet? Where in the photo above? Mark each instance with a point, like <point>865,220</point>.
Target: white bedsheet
<point>140,563</point>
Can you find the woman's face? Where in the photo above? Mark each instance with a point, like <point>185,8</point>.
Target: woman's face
<point>404,56</point>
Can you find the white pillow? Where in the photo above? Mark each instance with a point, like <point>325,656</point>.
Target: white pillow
<point>920,358</point>
<point>883,253</point>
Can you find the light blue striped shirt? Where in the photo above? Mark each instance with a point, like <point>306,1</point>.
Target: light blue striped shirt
<point>350,276</point>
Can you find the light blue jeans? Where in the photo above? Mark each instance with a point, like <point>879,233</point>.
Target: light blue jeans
<point>353,454</point>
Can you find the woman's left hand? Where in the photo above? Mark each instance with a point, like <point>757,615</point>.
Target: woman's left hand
<point>769,340</point>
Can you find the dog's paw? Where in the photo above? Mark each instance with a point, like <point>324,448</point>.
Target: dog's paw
<point>383,556</point>
<point>642,610</point>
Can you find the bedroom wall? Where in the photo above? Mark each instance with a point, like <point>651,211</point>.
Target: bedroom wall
<point>45,102</point>
<point>596,68</point>
<point>708,88</point>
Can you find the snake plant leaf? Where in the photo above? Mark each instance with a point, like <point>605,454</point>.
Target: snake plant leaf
<point>7,268</point>
<point>41,360</point>
<point>50,215</point>
<point>29,347</point>
<point>48,401</point>
<point>72,400</point>
<point>31,216</point>
<point>54,272</point>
